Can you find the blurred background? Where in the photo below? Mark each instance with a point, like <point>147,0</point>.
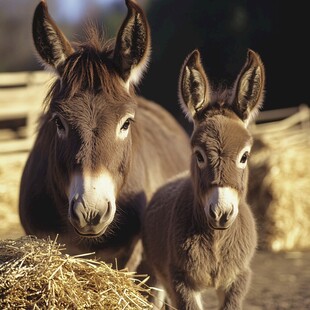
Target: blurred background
<point>222,30</point>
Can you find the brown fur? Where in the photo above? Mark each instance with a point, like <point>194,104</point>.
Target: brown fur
<point>191,241</point>
<point>77,135</point>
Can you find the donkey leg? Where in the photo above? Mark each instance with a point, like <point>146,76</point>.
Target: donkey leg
<point>181,295</point>
<point>232,298</point>
<point>158,297</point>
<point>185,298</point>
<point>157,294</point>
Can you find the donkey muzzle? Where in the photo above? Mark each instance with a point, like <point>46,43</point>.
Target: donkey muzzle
<point>90,221</point>
<point>219,219</point>
<point>222,207</point>
<point>91,203</point>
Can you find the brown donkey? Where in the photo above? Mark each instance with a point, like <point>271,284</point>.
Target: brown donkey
<point>101,150</point>
<point>198,230</point>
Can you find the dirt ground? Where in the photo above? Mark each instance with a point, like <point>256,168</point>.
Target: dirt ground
<point>280,280</point>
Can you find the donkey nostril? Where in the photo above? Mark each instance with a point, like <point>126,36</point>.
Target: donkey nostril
<point>229,214</point>
<point>212,213</point>
<point>72,204</point>
<point>231,211</point>
<point>108,211</point>
<point>72,210</point>
<point>95,220</point>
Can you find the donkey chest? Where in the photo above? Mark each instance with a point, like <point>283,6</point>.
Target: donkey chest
<point>210,263</point>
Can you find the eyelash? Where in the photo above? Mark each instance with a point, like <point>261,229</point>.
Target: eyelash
<point>245,157</point>
<point>127,123</point>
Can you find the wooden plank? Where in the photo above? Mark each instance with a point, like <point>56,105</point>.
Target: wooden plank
<point>16,145</point>
<point>298,120</point>
<point>9,79</point>
<point>279,114</point>
<point>21,98</point>
<point>21,94</point>
<point>20,102</point>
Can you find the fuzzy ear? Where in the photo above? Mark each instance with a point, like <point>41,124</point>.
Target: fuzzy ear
<point>50,42</point>
<point>132,48</point>
<point>194,89</point>
<point>249,88</point>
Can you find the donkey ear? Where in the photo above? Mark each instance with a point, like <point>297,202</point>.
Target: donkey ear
<point>132,47</point>
<point>50,42</point>
<point>194,89</point>
<point>249,88</point>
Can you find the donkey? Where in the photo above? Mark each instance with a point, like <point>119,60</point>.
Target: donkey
<point>101,150</point>
<point>198,230</point>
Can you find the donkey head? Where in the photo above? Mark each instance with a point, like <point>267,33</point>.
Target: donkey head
<point>221,142</point>
<point>91,112</point>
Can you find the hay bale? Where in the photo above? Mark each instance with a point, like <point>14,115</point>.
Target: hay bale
<point>35,274</point>
<point>279,187</point>
<point>11,166</point>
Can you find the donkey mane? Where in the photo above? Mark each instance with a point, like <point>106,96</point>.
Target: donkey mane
<point>220,94</point>
<point>89,68</point>
<point>219,104</point>
<point>220,97</point>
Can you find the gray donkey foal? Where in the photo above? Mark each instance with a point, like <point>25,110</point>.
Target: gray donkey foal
<point>199,231</point>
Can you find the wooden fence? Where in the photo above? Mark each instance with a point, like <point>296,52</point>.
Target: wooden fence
<point>21,98</point>
<point>22,95</point>
<point>272,121</point>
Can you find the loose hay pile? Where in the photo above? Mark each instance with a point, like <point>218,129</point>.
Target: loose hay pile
<point>35,274</point>
<point>279,189</point>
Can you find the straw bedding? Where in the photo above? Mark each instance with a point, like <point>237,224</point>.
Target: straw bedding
<point>35,274</point>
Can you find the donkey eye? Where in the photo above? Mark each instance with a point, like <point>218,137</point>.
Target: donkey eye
<point>126,125</point>
<point>60,125</point>
<point>122,128</point>
<point>199,157</point>
<point>244,157</point>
